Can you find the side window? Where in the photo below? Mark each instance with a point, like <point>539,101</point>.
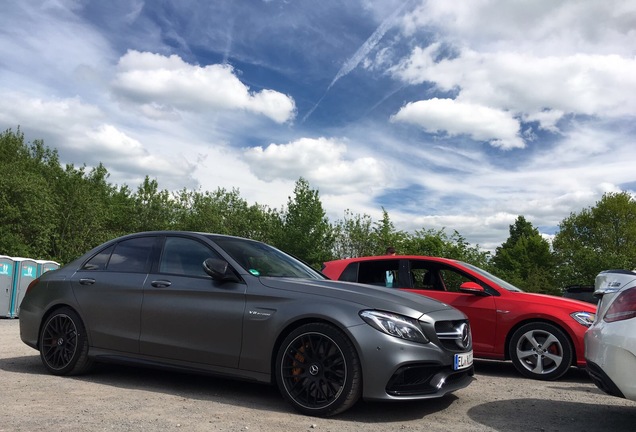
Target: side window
<point>99,261</point>
<point>453,279</point>
<point>183,256</point>
<point>420,278</point>
<point>350,274</point>
<point>383,273</point>
<point>132,255</point>
<point>424,275</point>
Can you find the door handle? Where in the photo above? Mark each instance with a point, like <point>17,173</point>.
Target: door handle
<point>161,283</point>
<point>87,281</point>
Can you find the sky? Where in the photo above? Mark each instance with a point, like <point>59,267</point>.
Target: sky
<point>459,115</point>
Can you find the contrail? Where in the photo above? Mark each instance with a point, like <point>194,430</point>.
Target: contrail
<point>228,42</point>
<point>361,53</point>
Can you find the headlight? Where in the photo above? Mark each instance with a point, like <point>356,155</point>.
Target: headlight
<point>395,325</point>
<point>583,318</point>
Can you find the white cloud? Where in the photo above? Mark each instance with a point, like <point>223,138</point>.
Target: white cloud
<point>560,75</point>
<point>53,116</point>
<point>168,83</point>
<point>454,117</point>
<point>547,119</point>
<point>127,151</point>
<point>599,85</point>
<point>538,61</point>
<point>542,27</point>
<point>322,161</point>
<point>81,135</point>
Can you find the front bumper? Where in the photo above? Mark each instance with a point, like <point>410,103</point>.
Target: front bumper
<point>395,369</point>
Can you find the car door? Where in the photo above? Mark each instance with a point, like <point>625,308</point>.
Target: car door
<point>442,282</point>
<point>186,315</point>
<point>109,291</point>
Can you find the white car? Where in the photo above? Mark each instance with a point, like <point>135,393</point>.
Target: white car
<point>610,343</point>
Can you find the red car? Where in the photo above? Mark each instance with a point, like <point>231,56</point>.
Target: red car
<point>541,334</point>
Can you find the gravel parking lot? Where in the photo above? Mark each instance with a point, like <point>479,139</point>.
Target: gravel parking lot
<point>121,398</point>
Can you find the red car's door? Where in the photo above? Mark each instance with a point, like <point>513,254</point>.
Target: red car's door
<point>442,282</point>
<point>479,310</point>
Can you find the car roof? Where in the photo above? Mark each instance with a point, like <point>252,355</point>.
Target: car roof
<point>394,257</point>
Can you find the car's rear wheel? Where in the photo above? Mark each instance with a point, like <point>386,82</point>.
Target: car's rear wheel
<point>318,370</point>
<point>541,351</point>
<point>63,343</point>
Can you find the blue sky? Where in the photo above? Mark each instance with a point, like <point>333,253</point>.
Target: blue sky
<point>459,115</point>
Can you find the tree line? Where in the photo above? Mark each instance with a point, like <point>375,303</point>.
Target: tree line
<point>55,212</point>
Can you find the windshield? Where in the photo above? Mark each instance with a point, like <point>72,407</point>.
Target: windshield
<point>502,283</point>
<point>260,259</point>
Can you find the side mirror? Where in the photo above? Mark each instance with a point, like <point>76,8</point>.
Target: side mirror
<point>219,270</point>
<point>472,288</point>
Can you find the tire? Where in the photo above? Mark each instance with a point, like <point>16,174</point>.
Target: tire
<point>541,351</point>
<point>63,343</point>
<point>318,370</point>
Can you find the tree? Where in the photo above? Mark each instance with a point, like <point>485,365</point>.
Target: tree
<point>224,212</point>
<point>27,202</point>
<point>438,243</point>
<point>385,235</point>
<point>598,238</point>
<point>82,210</point>
<point>353,236</point>
<point>525,260</point>
<point>154,209</point>
<point>306,232</point>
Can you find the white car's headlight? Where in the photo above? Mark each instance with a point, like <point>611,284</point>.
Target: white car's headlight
<point>583,318</point>
<point>395,325</point>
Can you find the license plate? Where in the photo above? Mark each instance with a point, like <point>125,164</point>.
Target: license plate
<point>463,360</point>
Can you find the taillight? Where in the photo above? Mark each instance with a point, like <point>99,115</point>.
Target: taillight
<point>623,307</point>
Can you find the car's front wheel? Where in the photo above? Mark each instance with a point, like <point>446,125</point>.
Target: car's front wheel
<point>64,344</point>
<point>541,351</point>
<point>318,370</point>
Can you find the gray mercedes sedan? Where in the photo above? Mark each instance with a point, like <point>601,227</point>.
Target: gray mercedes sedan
<point>225,305</point>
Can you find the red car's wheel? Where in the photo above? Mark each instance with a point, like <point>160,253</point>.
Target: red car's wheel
<point>541,351</point>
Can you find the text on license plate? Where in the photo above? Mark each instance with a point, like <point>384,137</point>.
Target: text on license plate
<point>463,360</point>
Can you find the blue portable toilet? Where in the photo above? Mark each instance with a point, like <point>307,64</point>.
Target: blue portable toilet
<point>6,285</point>
<point>25,271</point>
<point>46,265</point>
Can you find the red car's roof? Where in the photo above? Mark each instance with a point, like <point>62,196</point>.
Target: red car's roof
<point>389,257</point>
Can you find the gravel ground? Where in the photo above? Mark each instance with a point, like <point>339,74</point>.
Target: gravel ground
<point>121,398</point>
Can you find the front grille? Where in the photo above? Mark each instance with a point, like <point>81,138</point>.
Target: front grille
<point>422,379</point>
<point>454,335</point>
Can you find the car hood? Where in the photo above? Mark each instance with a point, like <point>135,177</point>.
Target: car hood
<point>367,296</point>
<point>563,302</point>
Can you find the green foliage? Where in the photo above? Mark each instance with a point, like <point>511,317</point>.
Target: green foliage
<point>306,231</point>
<point>598,238</point>
<point>525,260</point>
<point>357,235</point>
<point>385,235</point>
<point>224,212</point>
<point>439,243</point>
<point>52,212</point>
<point>26,198</point>
<point>80,211</point>
<point>155,209</point>
<point>353,236</point>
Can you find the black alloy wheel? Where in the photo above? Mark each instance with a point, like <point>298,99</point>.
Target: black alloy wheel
<point>63,343</point>
<point>318,370</point>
